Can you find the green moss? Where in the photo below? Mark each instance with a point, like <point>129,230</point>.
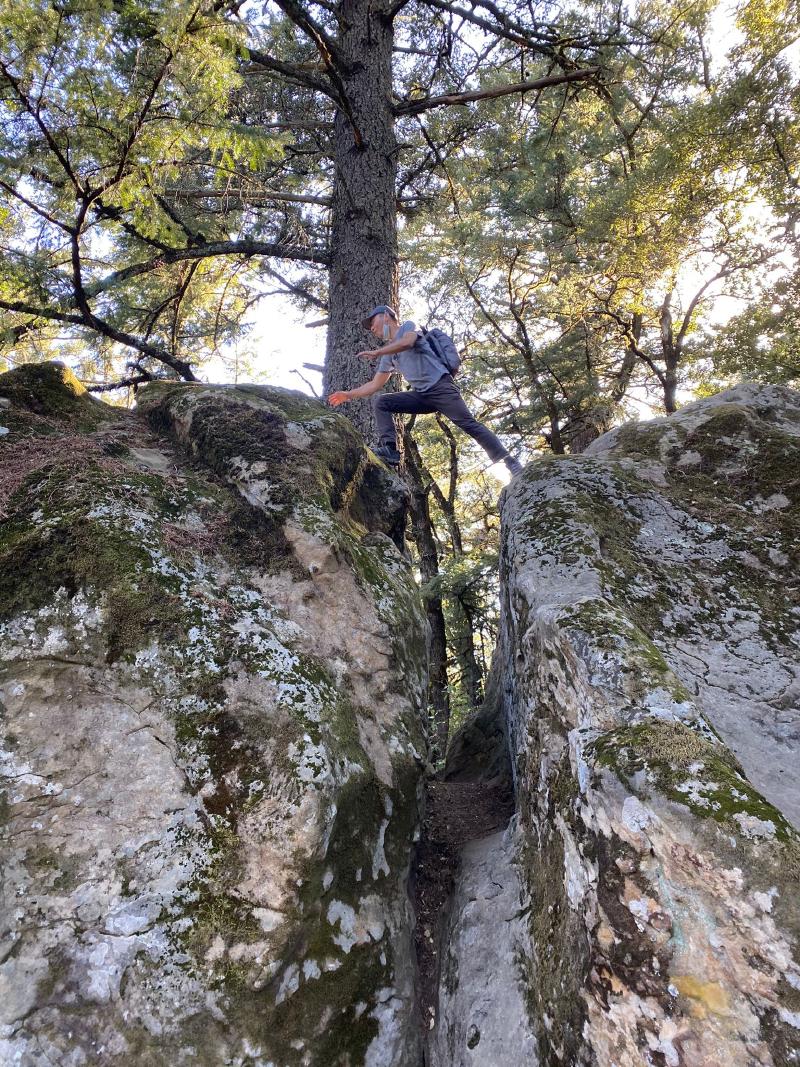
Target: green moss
<point>35,561</point>
<point>72,532</point>
<point>334,995</point>
<point>667,750</point>
<point>250,424</point>
<point>780,1037</point>
<point>52,391</point>
<point>636,961</point>
<point>741,456</point>
<point>641,661</point>
<point>642,440</point>
<point>135,614</point>
<point>557,969</point>
<point>54,869</point>
<point>221,915</point>
<point>360,812</point>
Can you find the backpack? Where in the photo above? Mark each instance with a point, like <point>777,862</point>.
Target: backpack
<point>443,348</point>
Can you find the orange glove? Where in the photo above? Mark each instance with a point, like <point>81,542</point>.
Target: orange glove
<point>335,399</point>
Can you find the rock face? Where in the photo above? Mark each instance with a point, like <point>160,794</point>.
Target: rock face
<point>649,653</point>
<point>212,679</point>
<point>212,686</point>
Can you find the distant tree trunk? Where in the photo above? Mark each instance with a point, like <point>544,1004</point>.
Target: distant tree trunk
<point>554,438</point>
<point>589,426</point>
<point>671,389</point>
<point>363,269</point>
<point>671,355</point>
<point>471,675</point>
<point>463,617</point>
<point>422,531</point>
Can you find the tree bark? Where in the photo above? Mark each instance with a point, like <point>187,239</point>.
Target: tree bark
<point>363,269</point>
<point>471,676</point>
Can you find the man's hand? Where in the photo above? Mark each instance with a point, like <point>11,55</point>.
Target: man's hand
<point>335,399</point>
<point>367,355</point>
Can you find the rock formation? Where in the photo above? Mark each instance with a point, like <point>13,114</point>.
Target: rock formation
<point>212,672</point>
<point>648,684</point>
<point>212,686</point>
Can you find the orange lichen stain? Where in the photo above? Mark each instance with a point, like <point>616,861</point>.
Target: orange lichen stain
<point>614,984</point>
<point>705,996</point>
<point>605,936</point>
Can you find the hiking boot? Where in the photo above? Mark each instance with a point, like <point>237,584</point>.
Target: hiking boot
<point>389,455</point>
<point>513,466</point>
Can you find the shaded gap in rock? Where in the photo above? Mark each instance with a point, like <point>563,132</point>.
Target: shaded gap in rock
<point>455,813</point>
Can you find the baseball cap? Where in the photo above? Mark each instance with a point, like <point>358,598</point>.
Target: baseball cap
<point>378,311</point>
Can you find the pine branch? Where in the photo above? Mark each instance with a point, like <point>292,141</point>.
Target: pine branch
<point>331,56</point>
<point>107,387</point>
<point>533,39</point>
<point>293,73</point>
<point>414,107</point>
<point>265,196</point>
<point>92,322</point>
<point>207,251</point>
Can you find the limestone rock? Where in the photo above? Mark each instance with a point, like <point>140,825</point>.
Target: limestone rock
<point>482,1011</point>
<point>212,679</point>
<point>650,633</point>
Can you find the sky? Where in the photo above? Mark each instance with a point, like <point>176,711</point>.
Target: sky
<point>277,346</point>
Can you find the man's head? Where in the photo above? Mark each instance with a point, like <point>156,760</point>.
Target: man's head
<point>378,320</point>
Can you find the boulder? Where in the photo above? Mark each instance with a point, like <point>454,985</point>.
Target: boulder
<point>649,684</point>
<point>212,695</point>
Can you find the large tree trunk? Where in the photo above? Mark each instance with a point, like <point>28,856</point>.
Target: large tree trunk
<point>364,233</point>
<point>462,618</point>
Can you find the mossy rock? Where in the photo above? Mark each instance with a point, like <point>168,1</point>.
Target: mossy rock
<point>168,586</point>
<point>51,393</point>
<point>311,454</point>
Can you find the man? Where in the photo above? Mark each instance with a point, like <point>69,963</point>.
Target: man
<point>405,349</point>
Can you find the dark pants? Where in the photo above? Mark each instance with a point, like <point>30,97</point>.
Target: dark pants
<point>443,397</point>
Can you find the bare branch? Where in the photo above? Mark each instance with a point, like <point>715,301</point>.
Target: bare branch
<point>307,382</point>
<point>212,248</point>
<point>107,387</point>
<point>331,56</point>
<point>91,321</point>
<point>536,40</point>
<point>297,290</point>
<point>293,73</point>
<point>33,207</point>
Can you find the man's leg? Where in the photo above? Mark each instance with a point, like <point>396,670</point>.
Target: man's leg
<point>448,400</point>
<point>386,405</point>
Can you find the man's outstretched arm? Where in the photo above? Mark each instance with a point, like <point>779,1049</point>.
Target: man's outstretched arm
<point>391,348</point>
<point>378,382</point>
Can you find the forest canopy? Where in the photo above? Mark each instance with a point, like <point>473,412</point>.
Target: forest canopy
<point>575,186</point>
